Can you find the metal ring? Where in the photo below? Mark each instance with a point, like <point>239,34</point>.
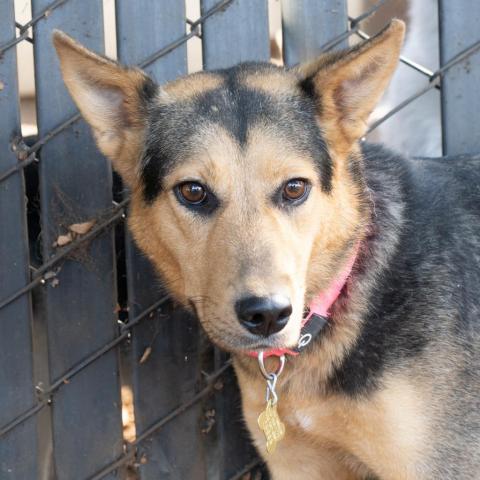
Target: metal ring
<point>264,371</point>
<point>304,340</point>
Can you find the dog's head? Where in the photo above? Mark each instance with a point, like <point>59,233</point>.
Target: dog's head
<point>246,183</point>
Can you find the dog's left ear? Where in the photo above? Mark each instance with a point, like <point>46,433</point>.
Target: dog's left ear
<point>347,86</point>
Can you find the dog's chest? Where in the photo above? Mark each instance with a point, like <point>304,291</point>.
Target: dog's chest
<point>383,433</point>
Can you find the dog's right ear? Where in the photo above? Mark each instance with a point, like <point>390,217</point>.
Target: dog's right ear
<point>113,99</point>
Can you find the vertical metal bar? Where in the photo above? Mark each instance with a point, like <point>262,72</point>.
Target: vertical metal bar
<point>18,449</point>
<point>170,374</point>
<point>240,33</point>
<point>459,29</point>
<point>75,186</point>
<point>308,25</point>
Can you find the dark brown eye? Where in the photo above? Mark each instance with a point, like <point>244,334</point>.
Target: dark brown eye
<point>295,189</point>
<point>192,192</point>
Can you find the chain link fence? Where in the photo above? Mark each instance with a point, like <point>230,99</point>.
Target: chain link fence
<point>82,317</point>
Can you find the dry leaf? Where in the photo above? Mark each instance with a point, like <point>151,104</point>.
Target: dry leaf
<point>2,85</point>
<point>63,240</point>
<point>145,355</point>
<point>82,228</point>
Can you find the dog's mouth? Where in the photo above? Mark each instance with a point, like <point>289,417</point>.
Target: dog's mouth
<point>263,345</point>
<point>227,333</point>
<point>245,343</point>
<point>247,346</point>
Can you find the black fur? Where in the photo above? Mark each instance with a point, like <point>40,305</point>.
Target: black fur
<point>428,290</point>
<point>236,108</point>
<point>147,92</point>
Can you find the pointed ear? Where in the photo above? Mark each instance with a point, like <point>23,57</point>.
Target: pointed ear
<point>112,99</point>
<point>348,85</point>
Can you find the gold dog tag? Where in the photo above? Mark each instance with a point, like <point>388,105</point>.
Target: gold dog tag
<point>271,425</point>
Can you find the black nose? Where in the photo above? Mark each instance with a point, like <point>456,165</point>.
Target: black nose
<point>264,315</point>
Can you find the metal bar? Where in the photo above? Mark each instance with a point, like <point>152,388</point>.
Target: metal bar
<point>185,406</point>
<point>82,365</point>
<point>79,307</point>
<point>236,35</point>
<point>9,44</point>
<point>23,417</point>
<point>17,166</point>
<point>162,422</point>
<point>434,82</point>
<point>147,311</point>
<point>310,27</point>
<point>23,31</point>
<point>460,93</point>
<point>128,457</point>
<point>48,392</point>
<point>416,66</point>
<point>46,271</point>
<point>159,384</point>
<point>22,291</point>
<point>401,105</point>
<point>368,13</point>
<point>459,57</point>
<point>19,450</point>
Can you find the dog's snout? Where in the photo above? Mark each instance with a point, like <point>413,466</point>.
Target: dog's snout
<point>264,315</point>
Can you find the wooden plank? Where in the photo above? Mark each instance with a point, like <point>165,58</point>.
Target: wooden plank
<point>240,33</point>
<point>18,449</point>
<point>308,25</point>
<point>460,93</point>
<point>75,185</point>
<point>169,376</point>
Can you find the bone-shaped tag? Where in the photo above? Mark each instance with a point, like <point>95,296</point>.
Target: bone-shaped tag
<point>271,425</point>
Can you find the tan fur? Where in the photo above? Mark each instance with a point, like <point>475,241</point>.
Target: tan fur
<point>372,431</point>
<point>252,247</point>
<point>272,83</point>
<point>186,88</point>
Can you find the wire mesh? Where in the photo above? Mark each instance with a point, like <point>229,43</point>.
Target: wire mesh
<point>48,271</point>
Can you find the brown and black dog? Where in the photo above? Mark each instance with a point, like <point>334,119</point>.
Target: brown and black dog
<point>250,192</point>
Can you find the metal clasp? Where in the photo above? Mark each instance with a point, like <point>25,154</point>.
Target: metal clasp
<point>271,377</point>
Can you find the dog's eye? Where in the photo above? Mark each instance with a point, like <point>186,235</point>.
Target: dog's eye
<point>295,189</point>
<point>196,197</point>
<point>193,193</point>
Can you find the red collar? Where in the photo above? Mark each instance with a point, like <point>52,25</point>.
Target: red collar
<point>319,312</point>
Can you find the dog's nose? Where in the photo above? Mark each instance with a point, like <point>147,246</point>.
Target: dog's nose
<point>264,315</point>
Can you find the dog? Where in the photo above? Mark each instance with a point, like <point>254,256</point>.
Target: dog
<point>254,197</point>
